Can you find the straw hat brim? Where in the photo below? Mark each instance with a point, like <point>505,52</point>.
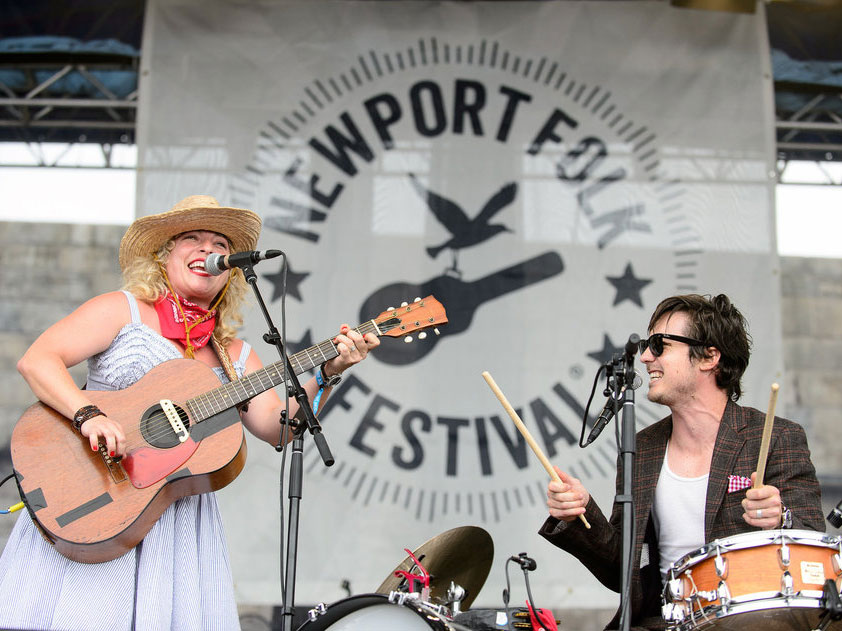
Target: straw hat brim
<point>147,234</point>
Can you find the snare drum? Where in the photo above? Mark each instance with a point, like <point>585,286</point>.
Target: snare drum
<point>770,580</point>
<point>376,612</point>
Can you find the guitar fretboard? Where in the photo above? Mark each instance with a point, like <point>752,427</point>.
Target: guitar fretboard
<point>250,385</point>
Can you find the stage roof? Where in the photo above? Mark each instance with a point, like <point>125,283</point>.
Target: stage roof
<point>68,72</point>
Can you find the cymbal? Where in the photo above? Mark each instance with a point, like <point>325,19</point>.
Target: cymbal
<point>462,555</point>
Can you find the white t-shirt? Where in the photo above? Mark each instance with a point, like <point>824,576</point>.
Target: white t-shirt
<point>679,514</point>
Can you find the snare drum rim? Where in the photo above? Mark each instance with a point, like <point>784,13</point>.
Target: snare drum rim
<point>752,540</point>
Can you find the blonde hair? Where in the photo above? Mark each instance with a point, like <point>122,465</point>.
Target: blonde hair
<point>142,277</point>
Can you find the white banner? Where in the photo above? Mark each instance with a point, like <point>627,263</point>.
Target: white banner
<point>548,170</point>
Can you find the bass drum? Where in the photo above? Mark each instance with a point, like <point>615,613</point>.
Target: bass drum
<point>375,612</point>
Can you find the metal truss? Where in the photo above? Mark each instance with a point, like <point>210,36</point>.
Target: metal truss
<point>61,98</point>
<point>812,133</point>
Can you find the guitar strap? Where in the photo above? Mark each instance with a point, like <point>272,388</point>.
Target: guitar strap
<point>224,359</point>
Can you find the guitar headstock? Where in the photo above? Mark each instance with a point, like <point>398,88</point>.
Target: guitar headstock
<point>418,315</point>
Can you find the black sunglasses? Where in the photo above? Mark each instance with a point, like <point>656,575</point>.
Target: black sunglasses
<point>655,342</point>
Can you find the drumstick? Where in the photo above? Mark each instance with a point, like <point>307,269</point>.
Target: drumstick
<point>490,380</point>
<point>767,436</point>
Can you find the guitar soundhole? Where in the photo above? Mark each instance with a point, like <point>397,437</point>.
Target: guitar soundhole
<point>157,430</point>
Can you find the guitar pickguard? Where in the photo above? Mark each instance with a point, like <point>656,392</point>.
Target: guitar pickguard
<point>148,465</point>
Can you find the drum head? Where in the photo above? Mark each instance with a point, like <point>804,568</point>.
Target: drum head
<point>374,612</point>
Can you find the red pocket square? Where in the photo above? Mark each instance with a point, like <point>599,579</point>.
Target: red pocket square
<point>738,483</point>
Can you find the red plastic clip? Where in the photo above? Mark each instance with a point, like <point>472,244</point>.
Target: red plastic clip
<point>542,619</point>
<point>411,578</point>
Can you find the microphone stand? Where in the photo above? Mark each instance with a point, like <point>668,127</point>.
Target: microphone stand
<point>311,423</point>
<point>624,367</point>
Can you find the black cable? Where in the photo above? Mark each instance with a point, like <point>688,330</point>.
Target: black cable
<point>588,406</point>
<point>506,593</point>
<point>285,429</point>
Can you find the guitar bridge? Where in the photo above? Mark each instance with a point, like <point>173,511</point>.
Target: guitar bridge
<point>118,474</point>
<point>175,420</point>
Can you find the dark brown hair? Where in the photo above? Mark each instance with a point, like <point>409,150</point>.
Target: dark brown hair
<point>716,322</point>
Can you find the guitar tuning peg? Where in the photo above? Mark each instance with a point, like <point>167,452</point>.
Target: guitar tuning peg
<point>436,331</point>
<point>403,304</point>
<point>417,299</point>
<point>422,335</point>
<point>390,308</point>
<point>407,339</point>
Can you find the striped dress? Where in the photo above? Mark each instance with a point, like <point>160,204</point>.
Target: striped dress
<point>177,578</point>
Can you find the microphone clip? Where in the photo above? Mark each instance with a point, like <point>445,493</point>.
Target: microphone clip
<point>528,564</point>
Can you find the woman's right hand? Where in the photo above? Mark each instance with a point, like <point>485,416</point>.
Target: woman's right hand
<point>102,428</point>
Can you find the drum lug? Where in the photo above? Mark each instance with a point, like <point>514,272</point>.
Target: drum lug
<point>315,612</point>
<point>672,612</point>
<point>721,565</point>
<point>787,584</point>
<point>676,588</point>
<point>724,594</point>
<point>783,556</point>
<point>837,563</point>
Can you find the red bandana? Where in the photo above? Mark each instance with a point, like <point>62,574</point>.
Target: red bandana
<point>193,334</point>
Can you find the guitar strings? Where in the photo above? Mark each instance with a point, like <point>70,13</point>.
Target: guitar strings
<point>158,426</point>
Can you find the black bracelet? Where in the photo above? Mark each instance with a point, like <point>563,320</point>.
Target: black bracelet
<point>83,414</point>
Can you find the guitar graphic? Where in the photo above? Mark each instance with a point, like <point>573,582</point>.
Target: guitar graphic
<point>467,295</point>
<point>95,509</point>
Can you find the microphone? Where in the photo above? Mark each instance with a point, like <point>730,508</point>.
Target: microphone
<point>835,516</point>
<point>631,348</point>
<point>527,563</point>
<point>215,264</point>
<point>608,411</point>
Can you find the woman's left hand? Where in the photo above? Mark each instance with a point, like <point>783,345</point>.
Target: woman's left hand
<point>353,347</point>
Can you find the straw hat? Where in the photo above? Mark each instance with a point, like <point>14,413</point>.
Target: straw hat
<point>197,212</point>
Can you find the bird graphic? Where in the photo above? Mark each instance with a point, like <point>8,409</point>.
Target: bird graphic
<point>465,232</point>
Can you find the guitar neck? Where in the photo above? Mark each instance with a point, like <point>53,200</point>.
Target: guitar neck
<point>252,384</point>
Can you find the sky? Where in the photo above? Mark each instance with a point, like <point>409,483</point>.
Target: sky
<point>809,212</point>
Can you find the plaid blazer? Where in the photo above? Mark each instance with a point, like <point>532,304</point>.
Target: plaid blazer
<point>735,453</point>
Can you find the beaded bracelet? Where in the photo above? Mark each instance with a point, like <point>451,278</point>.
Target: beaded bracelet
<point>83,414</point>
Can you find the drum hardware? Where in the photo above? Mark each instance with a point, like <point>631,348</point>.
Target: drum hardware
<point>759,580</point>
<point>455,595</point>
<point>315,612</point>
<point>783,555</point>
<point>831,603</point>
<point>675,587</point>
<point>724,594</point>
<point>787,584</point>
<point>721,565</point>
<point>398,611</point>
<point>461,556</point>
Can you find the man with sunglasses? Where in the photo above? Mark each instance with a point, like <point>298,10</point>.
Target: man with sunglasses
<point>694,469</point>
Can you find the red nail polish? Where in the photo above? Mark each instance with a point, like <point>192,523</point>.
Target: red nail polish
<point>95,448</point>
<point>112,454</point>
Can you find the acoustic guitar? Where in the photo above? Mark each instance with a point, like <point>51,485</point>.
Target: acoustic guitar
<point>93,508</point>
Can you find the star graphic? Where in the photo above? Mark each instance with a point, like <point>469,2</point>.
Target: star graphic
<point>294,279</point>
<point>305,342</point>
<point>628,286</point>
<point>607,352</point>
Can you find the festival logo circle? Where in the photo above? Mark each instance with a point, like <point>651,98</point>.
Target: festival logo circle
<point>526,201</point>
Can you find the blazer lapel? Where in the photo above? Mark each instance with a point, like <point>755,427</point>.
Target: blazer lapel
<point>650,459</point>
<point>729,442</point>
